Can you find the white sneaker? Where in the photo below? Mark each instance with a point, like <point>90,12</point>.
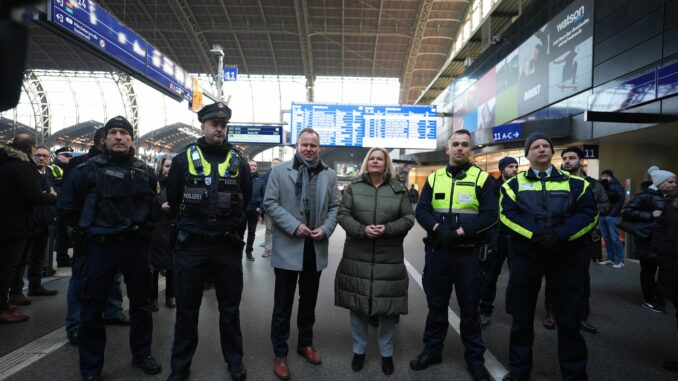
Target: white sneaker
<point>605,262</point>
<point>618,266</point>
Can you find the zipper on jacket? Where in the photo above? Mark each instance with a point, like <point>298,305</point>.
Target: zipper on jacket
<point>374,221</point>
<point>546,205</point>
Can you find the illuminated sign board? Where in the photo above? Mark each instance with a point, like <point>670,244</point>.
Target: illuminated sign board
<point>96,28</point>
<point>507,133</point>
<point>398,126</point>
<point>554,63</point>
<point>255,134</point>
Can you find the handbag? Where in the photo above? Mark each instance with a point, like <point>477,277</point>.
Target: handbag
<point>641,229</point>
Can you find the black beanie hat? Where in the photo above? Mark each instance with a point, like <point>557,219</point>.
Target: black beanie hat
<point>505,162</point>
<point>119,122</point>
<point>534,137</point>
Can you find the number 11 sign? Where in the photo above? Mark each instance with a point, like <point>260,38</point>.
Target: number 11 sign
<point>230,74</point>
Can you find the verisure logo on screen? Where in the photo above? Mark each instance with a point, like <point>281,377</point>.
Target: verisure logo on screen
<point>571,18</point>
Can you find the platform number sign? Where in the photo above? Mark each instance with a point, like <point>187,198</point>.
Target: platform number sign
<point>230,74</point>
<point>590,151</point>
<point>506,133</point>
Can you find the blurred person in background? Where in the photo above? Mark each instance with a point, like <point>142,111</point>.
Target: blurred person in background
<point>162,256</point>
<point>607,221</point>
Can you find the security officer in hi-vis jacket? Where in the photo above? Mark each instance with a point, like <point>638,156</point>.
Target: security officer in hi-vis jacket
<point>457,207</point>
<point>109,203</point>
<point>209,186</point>
<point>550,215</point>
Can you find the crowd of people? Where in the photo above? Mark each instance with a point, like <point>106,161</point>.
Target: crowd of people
<point>188,219</point>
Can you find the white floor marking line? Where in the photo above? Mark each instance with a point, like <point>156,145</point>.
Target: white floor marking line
<point>496,369</point>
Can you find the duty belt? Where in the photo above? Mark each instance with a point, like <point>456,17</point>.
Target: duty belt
<point>227,237</point>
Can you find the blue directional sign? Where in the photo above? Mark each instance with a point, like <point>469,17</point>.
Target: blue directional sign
<point>230,74</point>
<point>255,134</point>
<point>506,133</point>
<point>398,126</point>
<point>96,28</point>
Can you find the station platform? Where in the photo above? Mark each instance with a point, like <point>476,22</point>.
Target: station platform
<point>632,342</point>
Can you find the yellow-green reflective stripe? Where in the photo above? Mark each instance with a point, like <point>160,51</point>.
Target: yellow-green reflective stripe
<point>506,221</point>
<point>585,230</point>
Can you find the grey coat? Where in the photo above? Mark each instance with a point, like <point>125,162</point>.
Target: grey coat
<point>284,207</point>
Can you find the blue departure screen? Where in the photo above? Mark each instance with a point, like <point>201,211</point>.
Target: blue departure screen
<point>255,134</point>
<point>91,24</point>
<point>399,126</point>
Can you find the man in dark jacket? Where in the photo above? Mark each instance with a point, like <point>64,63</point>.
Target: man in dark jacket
<point>209,185</point>
<point>644,209</point>
<point>572,162</point>
<point>113,313</point>
<point>508,167</point>
<point>457,207</point>
<point>34,256</point>
<point>111,201</point>
<point>607,221</point>
<point>550,215</point>
<point>19,192</point>
<point>253,209</point>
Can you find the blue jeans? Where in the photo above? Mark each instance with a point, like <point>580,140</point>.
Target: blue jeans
<point>613,245</point>
<point>113,302</point>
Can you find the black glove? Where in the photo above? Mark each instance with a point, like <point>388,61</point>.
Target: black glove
<point>446,234</point>
<point>547,238</point>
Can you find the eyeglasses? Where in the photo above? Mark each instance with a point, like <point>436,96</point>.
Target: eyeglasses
<point>40,155</point>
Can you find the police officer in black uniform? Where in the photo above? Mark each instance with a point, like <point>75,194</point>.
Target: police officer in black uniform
<point>110,202</point>
<point>549,215</point>
<point>457,207</point>
<point>209,185</point>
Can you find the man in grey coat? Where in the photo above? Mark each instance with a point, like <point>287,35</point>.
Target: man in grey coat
<point>302,200</point>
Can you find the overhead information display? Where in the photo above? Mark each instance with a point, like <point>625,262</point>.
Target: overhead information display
<point>255,134</point>
<point>92,25</point>
<point>399,126</point>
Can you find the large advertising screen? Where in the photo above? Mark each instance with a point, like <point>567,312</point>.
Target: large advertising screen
<point>553,64</point>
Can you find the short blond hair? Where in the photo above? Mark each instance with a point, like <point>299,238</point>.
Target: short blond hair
<point>388,170</point>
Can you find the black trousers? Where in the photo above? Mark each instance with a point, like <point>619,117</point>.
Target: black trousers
<point>169,284</point>
<point>445,270</point>
<point>494,263</point>
<point>585,263</point>
<point>252,219</point>
<point>648,281</point>
<point>567,278</point>
<point>285,287</point>
<point>10,260</point>
<point>192,265</point>
<point>62,243</point>
<point>101,265</point>
<point>33,260</point>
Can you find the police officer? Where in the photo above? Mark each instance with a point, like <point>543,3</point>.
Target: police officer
<point>111,201</point>
<point>457,206</point>
<point>549,214</point>
<point>209,185</point>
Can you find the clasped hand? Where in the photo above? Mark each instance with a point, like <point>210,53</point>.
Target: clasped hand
<point>304,231</point>
<point>374,231</point>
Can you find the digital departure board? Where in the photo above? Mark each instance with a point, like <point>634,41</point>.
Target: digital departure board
<point>96,28</point>
<point>398,126</point>
<point>255,134</point>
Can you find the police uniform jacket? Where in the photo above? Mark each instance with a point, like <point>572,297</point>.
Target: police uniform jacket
<point>110,194</point>
<point>237,181</point>
<point>372,277</point>
<point>561,202</point>
<point>466,198</point>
